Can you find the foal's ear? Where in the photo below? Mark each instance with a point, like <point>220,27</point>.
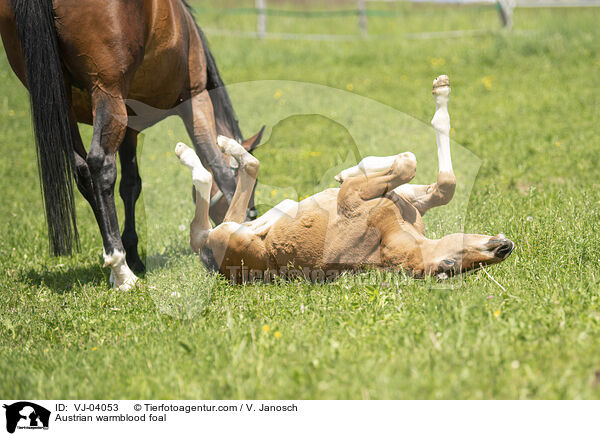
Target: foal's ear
<point>251,143</point>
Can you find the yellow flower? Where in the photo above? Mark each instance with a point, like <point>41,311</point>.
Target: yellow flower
<point>315,153</point>
<point>153,157</point>
<point>558,143</point>
<point>171,134</point>
<point>496,313</point>
<point>277,334</point>
<point>273,192</point>
<point>487,82</point>
<point>266,328</point>
<point>350,87</point>
<point>168,154</point>
<point>278,94</point>
<point>94,348</point>
<point>11,113</point>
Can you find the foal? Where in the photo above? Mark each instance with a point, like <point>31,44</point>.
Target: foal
<point>373,219</point>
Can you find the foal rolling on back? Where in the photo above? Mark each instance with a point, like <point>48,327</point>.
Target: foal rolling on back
<point>373,219</point>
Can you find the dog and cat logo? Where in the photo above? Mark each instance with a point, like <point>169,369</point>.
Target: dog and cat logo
<point>26,415</point>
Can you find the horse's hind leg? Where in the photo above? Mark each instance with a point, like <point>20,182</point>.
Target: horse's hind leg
<point>130,189</point>
<point>247,173</point>
<point>200,226</point>
<point>109,130</point>
<point>85,185</point>
<point>198,117</point>
<point>82,174</point>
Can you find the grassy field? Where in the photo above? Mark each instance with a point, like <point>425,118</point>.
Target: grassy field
<point>526,103</point>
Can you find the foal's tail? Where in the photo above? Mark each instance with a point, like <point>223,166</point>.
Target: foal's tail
<point>227,123</point>
<point>50,113</point>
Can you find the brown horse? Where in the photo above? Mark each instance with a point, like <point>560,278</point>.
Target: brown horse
<point>81,60</point>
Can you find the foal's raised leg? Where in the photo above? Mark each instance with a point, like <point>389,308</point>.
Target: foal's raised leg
<point>368,185</point>
<point>425,197</point>
<point>247,173</point>
<point>200,226</point>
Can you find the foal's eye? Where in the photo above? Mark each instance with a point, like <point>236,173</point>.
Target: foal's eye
<point>447,266</point>
<point>447,263</point>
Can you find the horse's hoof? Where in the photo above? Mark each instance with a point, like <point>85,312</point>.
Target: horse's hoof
<point>137,266</point>
<point>129,284</point>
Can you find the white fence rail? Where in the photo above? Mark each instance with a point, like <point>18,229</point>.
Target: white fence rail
<point>361,12</point>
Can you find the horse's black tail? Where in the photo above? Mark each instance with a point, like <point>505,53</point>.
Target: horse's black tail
<point>227,123</point>
<point>50,113</point>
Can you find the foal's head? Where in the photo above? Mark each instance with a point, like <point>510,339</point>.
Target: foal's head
<point>458,253</point>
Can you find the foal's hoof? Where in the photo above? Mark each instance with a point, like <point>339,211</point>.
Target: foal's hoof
<point>441,85</point>
<point>228,146</point>
<point>180,148</point>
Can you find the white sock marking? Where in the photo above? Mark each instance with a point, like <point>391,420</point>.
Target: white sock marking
<point>286,207</point>
<point>441,124</point>
<point>369,165</point>
<point>231,147</point>
<point>201,177</point>
<point>121,276</point>
<point>234,149</point>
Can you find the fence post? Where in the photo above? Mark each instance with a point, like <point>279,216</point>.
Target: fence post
<point>361,5</point>
<point>261,18</point>
<point>505,9</point>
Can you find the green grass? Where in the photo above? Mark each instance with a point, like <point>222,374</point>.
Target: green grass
<point>527,104</point>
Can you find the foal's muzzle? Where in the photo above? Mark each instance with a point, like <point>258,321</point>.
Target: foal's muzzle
<point>504,248</point>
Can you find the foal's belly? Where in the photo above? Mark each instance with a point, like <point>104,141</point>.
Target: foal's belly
<point>299,239</point>
<point>312,238</point>
<point>317,238</point>
<point>291,233</point>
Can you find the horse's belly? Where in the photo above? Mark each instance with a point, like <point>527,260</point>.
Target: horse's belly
<point>160,79</point>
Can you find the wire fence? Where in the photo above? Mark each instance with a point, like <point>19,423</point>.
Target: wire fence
<point>362,12</point>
